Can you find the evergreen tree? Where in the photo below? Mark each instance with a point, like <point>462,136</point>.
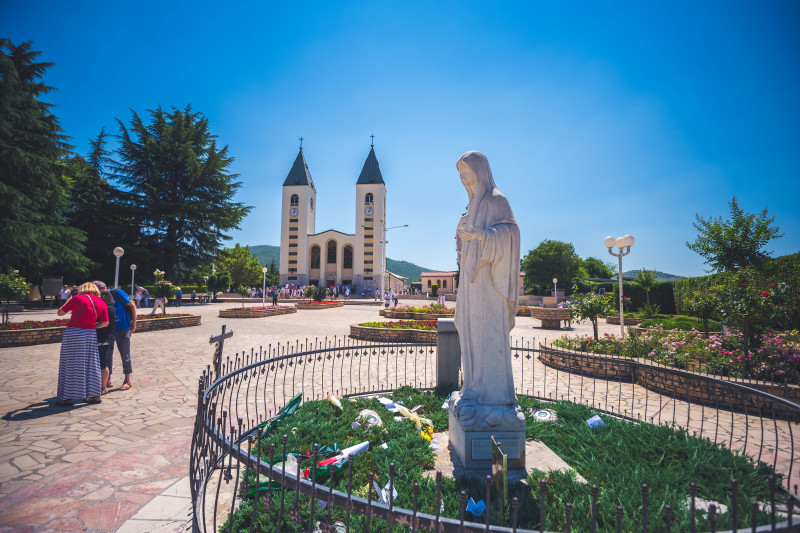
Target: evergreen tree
<point>179,188</point>
<point>33,190</point>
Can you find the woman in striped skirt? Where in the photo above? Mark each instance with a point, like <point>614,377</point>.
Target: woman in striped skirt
<point>79,366</point>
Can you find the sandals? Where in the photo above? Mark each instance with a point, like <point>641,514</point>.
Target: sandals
<point>65,403</point>
<point>125,386</point>
<point>95,399</point>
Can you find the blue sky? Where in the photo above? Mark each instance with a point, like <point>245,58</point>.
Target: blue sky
<point>598,118</point>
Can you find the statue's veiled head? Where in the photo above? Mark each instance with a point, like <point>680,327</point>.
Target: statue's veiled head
<point>475,173</point>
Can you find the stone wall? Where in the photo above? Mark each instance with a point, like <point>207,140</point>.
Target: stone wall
<point>713,391</point>
<point>409,315</point>
<point>324,305</point>
<point>392,335</point>
<point>29,337</point>
<point>253,313</point>
<point>614,319</point>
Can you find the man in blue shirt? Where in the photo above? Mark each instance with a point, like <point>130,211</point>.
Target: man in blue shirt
<point>126,324</point>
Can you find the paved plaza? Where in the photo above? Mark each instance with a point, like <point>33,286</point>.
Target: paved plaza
<point>123,465</point>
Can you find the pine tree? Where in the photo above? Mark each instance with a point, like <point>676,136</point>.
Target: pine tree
<point>179,188</point>
<point>33,190</point>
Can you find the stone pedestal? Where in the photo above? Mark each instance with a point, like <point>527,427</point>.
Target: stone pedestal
<point>472,427</point>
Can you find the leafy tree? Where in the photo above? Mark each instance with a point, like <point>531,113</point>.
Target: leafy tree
<point>551,259</point>
<point>595,268</point>
<point>735,243</point>
<point>646,279</point>
<point>12,287</point>
<point>244,292</point>
<point>33,190</point>
<point>242,264</point>
<point>219,281</point>
<point>703,304</point>
<point>273,275</point>
<point>590,307</point>
<point>179,187</point>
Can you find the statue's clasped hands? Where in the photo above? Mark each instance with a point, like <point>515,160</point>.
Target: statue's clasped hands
<point>470,233</point>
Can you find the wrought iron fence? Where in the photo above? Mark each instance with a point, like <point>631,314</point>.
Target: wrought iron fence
<point>250,387</point>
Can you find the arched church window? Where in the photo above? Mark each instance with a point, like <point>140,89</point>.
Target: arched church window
<point>369,199</point>
<point>444,283</point>
<point>347,259</point>
<point>332,252</point>
<point>315,256</point>
<point>294,200</point>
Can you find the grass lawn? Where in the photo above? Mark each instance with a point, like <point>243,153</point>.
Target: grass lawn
<point>617,457</point>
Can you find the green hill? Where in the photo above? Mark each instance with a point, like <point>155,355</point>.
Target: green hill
<point>661,276</point>
<point>266,253</point>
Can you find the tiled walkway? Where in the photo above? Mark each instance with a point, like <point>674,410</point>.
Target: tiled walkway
<point>122,465</point>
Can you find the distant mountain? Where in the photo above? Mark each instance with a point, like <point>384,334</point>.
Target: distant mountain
<point>266,253</point>
<point>661,276</point>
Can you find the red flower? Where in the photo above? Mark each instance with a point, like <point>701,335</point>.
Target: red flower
<point>764,294</point>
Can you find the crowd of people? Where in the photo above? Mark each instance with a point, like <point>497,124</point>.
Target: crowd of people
<point>99,320</point>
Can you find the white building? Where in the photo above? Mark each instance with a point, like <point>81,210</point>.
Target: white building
<point>332,257</point>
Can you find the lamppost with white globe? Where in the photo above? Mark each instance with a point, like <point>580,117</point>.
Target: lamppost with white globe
<point>118,251</point>
<point>624,244</point>
<point>133,290</point>
<point>555,289</point>
<point>264,270</point>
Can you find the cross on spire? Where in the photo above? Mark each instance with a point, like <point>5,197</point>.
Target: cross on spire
<point>301,143</point>
<point>372,144</point>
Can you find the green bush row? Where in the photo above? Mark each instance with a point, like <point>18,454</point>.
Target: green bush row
<point>784,269</point>
<point>661,295</point>
<point>681,322</point>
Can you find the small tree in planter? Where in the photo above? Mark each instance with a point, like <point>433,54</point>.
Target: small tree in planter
<point>218,281</point>
<point>703,305</point>
<point>12,287</point>
<point>244,292</point>
<point>320,293</point>
<point>434,289</point>
<point>163,288</point>
<point>591,306</point>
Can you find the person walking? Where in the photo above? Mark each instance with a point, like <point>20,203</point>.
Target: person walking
<point>64,295</point>
<point>105,340</point>
<point>178,297</point>
<point>126,325</point>
<point>274,296</point>
<point>79,374</point>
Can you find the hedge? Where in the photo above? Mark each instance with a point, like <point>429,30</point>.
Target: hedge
<point>661,295</point>
<point>784,269</point>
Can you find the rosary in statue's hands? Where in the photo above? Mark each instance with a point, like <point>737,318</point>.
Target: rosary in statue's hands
<point>470,233</point>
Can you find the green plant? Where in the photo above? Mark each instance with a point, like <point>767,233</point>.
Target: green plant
<point>319,293</point>
<point>646,279</point>
<point>12,287</point>
<point>244,292</point>
<point>649,311</point>
<point>591,307</point>
<point>434,289</point>
<point>703,304</point>
<point>731,244</point>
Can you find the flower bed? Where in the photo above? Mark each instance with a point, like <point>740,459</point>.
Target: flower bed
<point>777,357</point>
<point>318,305</point>
<point>33,332</point>
<point>400,331</point>
<point>257,311</point>
<point>427,312</point>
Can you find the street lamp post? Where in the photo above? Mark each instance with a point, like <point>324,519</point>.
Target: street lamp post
<point>118,251</point>
<point>264,270</point>
<point>624,244</point>
<point>133,289</point>
<point>555,289</point>
<point>384,242</point>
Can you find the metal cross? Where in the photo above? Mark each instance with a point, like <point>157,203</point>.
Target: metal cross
<point>301,143</point>
<point>373,140</point>
<point>220,340</point>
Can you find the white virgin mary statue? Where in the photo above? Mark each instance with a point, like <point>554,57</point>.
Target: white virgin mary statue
<point>488,292</point>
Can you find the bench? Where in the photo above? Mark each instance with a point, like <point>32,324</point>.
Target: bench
<point>551,317</point>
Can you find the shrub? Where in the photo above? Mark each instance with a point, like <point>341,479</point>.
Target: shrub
<point>434,289</point>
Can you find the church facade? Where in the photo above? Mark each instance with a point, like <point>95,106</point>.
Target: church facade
<point>332,257</point>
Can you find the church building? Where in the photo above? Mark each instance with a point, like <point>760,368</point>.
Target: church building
<point>332,257</point>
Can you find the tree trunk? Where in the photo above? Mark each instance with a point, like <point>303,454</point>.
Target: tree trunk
<point>594,325</point>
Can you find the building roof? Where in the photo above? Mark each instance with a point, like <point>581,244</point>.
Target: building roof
<point>299,174</point>
<point>371,173</point>
<point>451,273</point>
<point>398,276</point>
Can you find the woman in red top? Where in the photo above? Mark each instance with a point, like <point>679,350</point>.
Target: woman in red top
<point>79,366</point>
